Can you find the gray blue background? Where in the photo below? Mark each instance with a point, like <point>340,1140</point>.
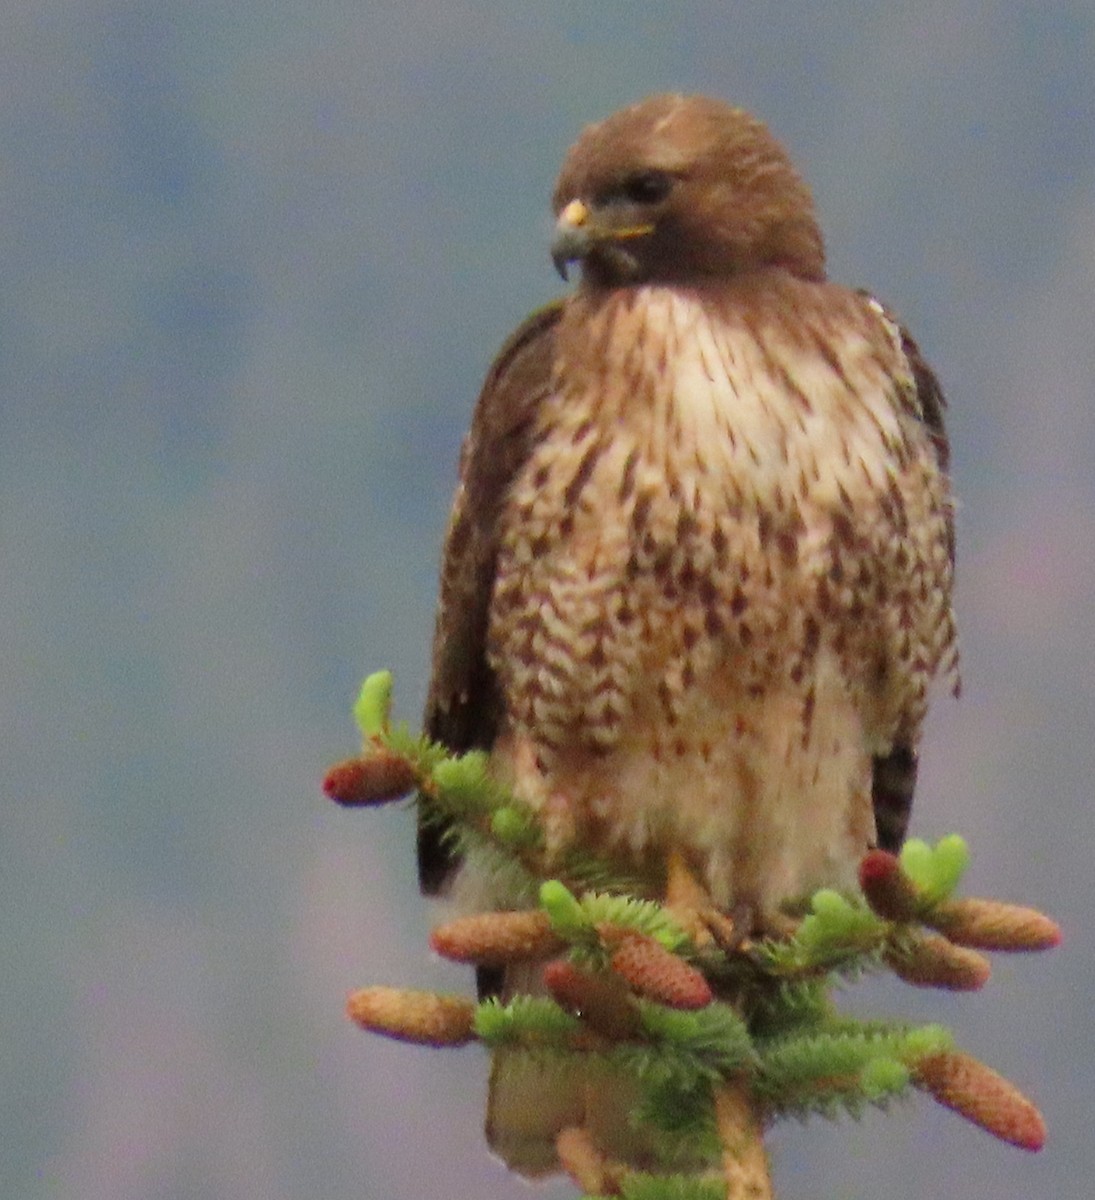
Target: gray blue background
<point>255,261</point>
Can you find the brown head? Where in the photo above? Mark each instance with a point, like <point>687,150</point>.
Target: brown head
<point>682,189</point>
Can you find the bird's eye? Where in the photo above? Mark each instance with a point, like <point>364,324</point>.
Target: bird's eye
<point>647,187</point>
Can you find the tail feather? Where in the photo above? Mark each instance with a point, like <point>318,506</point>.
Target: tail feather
<point>893,783</point>
<point>533,1099</point>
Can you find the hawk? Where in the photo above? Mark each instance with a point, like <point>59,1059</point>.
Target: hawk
<point>697,578</point>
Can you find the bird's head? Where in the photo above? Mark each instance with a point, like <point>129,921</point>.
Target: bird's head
<point>682,189</point>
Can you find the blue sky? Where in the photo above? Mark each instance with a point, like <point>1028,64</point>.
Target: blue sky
<point>256,264</point>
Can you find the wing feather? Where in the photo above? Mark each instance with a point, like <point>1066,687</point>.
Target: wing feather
<point>893,777</point>
<point>462,705</point>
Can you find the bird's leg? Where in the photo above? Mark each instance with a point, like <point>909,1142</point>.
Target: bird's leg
<point>682,889</point>
<point>687,899</point>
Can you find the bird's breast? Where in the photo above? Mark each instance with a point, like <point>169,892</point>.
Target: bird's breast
<point>695,555</point>
<point>690,580</point>
<point>693,481</point>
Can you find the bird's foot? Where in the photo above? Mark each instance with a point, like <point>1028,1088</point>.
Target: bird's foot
<point>735,930</point>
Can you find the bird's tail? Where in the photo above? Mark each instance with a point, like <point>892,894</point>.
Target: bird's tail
<point>533,1097</point>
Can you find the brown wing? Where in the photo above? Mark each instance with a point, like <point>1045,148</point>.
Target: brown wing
<point>893,778</point>
<point>462,707</point>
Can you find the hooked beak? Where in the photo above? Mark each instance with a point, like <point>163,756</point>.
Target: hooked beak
<point>577,232</point>
<point>572,236</point>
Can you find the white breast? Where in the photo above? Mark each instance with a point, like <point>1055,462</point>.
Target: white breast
<point>679,663</point>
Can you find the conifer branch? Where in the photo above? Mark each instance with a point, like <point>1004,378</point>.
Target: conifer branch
<point>721,1035</point>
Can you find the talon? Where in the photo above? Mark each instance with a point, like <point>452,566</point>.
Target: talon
<point>728,935</point>
<point>776,924</point>
<point>736,930</point>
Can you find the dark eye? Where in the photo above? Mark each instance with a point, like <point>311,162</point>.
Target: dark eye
<point>647,187</point>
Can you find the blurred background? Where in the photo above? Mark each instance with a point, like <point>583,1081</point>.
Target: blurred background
<point>256,260</point>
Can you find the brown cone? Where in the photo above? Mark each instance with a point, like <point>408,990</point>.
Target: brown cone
<point>376,778</point>
<point>413,1016</point>
<point>979,1094</point>
<point>930,960</point>
<point>993,925</point>
<point>497,938</point>
<point>600,999</point>
<point>888,890</point>
<point>656,973</point>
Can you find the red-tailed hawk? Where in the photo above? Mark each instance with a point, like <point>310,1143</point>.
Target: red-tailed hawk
<point>697,579</point>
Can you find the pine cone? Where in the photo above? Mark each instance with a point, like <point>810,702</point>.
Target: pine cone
<point>413,1016</point>
<point>497,938</point>
<point>376,778</point>
<point>979,1094</point>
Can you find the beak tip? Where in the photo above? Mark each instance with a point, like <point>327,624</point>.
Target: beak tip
<point>573,236</point>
